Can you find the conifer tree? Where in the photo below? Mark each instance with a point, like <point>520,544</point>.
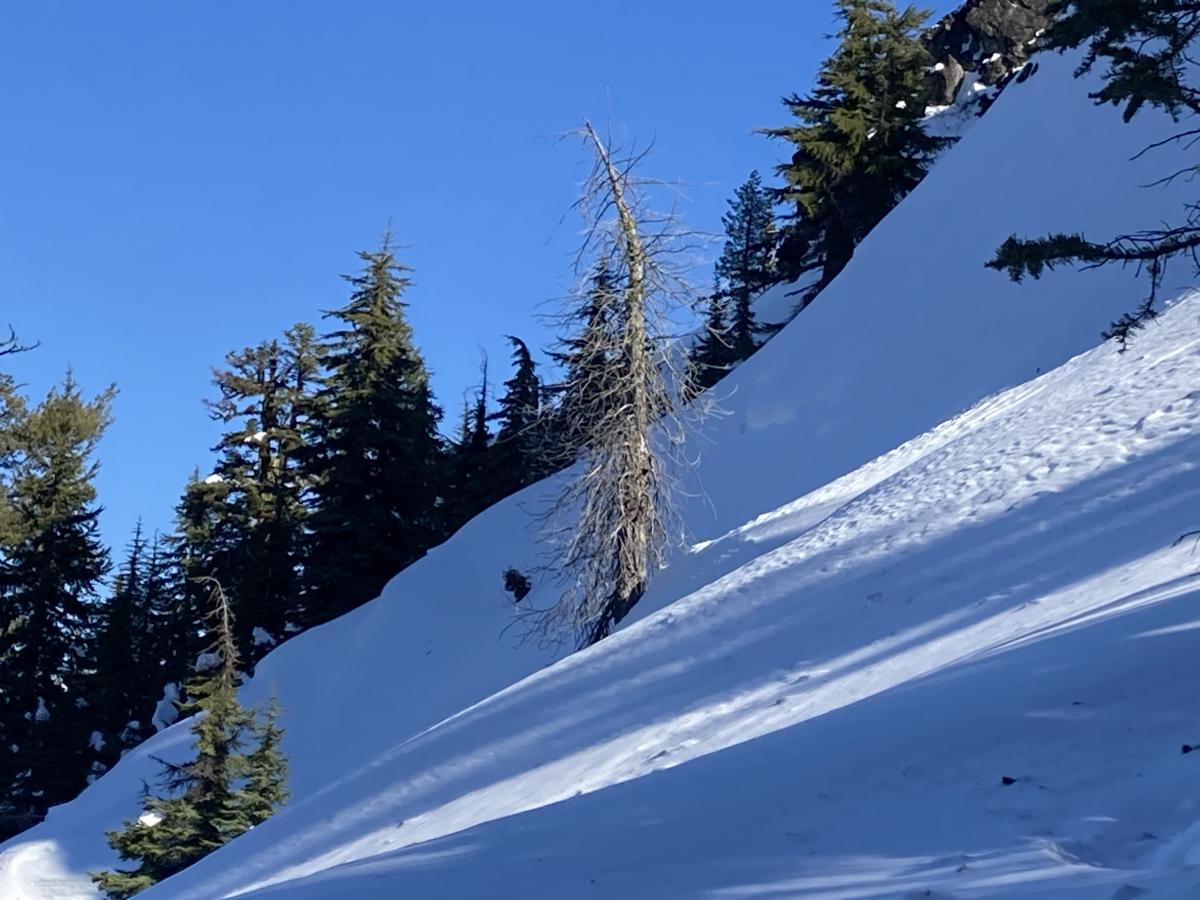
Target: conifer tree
<point>860,145</point>
<point>375,455</point>
<point>219,793</point>
<point>51,564</point>
<point>746,266</point>
<point>588,371</point>
<point>1148,49</point>
<point>467,491</point>
<point>714,354</point>
<point>265,394</point>
<point>518,455</point>
<point>126,679</point>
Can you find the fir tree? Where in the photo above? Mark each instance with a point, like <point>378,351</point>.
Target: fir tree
<point>125,678</point>
<point>51,563</point>
<point>218,794</point>
<point>375,455</point>
<point>1147,48</point>
<point>588,370</point>
<point>860,145</point>
<point>467,491</point>
<point>714,354</point>
<point>266,769</point>
<point>265,394</point>
<point>518,455</point>
<point>746,266</point>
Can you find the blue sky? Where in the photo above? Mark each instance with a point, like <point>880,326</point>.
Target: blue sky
<point>178,180</point>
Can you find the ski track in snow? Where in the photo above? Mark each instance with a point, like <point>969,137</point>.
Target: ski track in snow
<point>821,698</point>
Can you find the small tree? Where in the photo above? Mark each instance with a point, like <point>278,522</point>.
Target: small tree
<point>612,524</point>
<point>219,793</point>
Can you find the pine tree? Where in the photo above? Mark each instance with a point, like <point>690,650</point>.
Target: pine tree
<point>1147,46</point>
<point>375,455</point>
<point>266,770</point>
<point>588,371</point>
<point>860,143</point>
<point>218,794</point>
<point>518,455</point>
<point>746,266</point>
<point>714,354</point>
<point>51,564</point>
<point>265,394</point>
<point>467,490</point>
<point>126,679</point>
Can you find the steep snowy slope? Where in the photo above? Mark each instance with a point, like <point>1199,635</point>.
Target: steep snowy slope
<point>846,675</point>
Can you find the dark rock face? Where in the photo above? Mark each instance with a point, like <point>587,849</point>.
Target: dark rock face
<point>991,38</point>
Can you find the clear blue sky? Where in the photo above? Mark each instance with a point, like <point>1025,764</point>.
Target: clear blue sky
<point>181,179</point>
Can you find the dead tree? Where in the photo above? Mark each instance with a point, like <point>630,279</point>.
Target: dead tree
<point>614,520</point>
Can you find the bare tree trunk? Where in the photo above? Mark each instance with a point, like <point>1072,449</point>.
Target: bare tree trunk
<point>609,529</point>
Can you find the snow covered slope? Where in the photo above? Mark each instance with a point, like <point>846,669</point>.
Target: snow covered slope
<point>891,605</point>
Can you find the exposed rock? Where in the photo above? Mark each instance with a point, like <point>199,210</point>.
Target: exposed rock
<point>989,38</point>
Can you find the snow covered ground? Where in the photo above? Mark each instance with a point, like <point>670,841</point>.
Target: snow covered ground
<point>891,606</point>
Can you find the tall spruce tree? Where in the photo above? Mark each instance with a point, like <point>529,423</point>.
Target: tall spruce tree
<point>714,354</point>
<point>746,266</point>
<point>51,565</point>
<point>1148,50</point>
<point>375,455</point>
<point>518,457</point>
<point>222,791</point>
<point>860,145</point>
<point>126,677</point>
<point>265,395</point>
<point>588,370</point>
<point>467,490</point>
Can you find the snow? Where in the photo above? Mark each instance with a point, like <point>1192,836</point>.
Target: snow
<point>935,551</point>
<point>41,714</point>
<point>214,478</point>
<point>262,637</point>
<point>166,712</point>
<point>96,741</point>
<point>149,819</point>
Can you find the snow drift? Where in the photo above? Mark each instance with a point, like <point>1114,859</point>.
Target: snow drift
<point>932,635</point>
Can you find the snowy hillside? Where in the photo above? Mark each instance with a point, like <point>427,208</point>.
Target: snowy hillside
<point>891,605</point>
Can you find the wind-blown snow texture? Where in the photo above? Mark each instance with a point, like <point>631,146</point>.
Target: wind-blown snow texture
<point>821,699</point>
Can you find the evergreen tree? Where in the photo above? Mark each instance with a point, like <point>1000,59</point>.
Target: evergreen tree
<point>714,354</point>
<point>203,542</point>
<point>266,770</point>
<point>51,563</point>
<point>125,679</point>
<point>1147,48</point>
<point>218,794</point>
<point>518,455</point>
<point>860,145</point>
<point>746,266</point>
<point>265,395</point>
<point>588,370</point>
<point>375,455</point>
<point>467,491</point>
